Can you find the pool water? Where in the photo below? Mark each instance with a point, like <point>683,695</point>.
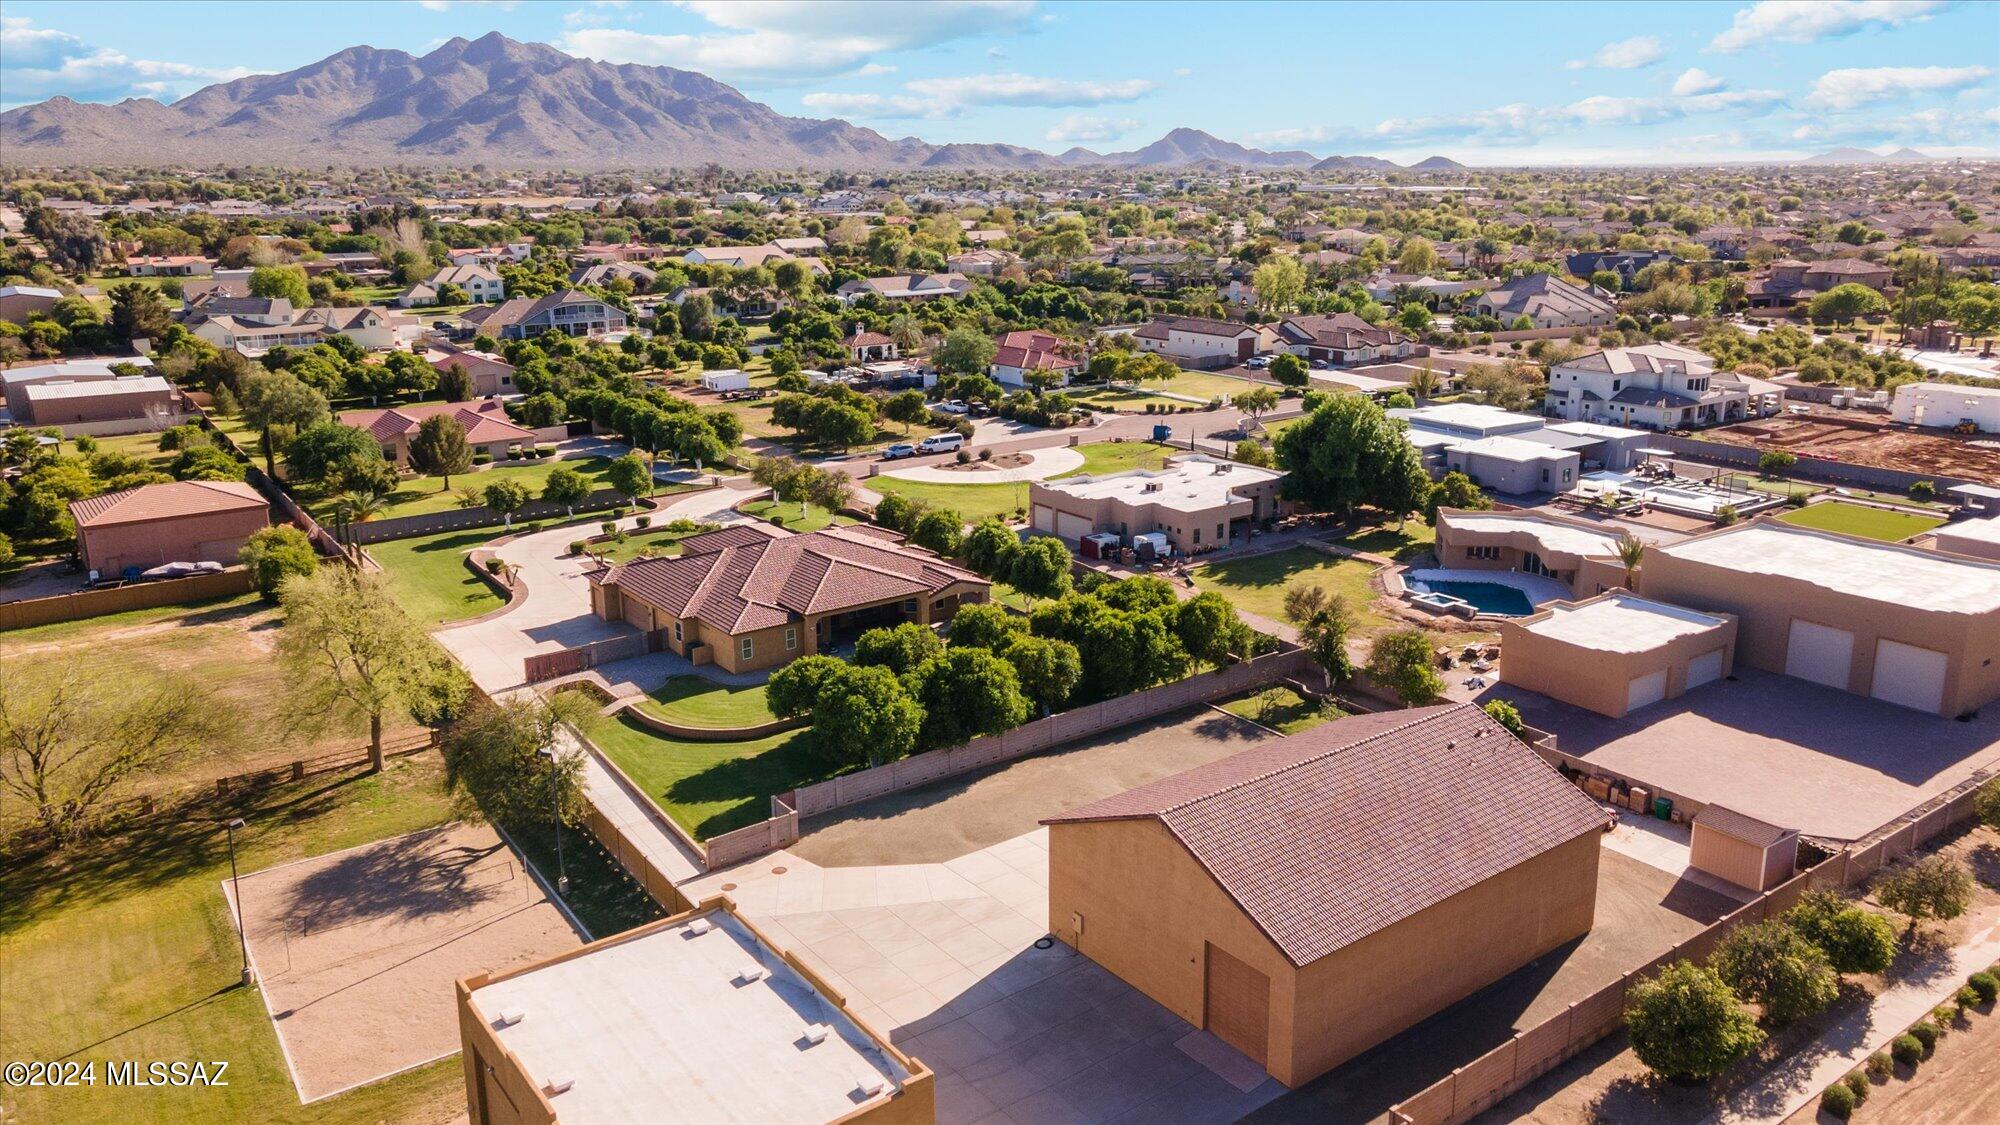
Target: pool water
<point>1486,597</point>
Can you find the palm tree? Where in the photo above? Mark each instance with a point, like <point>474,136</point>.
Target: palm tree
<point>358,507</point>
<point>1631,552</point>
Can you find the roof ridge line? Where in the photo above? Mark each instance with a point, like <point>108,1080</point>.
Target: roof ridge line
<point>1397,729</point>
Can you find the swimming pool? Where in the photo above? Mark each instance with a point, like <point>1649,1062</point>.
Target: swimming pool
<point>1486,597</point>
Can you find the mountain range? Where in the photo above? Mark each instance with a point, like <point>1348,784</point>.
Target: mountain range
<point>496,101</point>
<point>1867,156</point>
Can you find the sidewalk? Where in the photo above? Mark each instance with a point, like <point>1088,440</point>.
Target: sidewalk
<point>1805,1075</point>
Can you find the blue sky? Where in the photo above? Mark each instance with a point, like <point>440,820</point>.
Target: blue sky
<point>1486,83</point>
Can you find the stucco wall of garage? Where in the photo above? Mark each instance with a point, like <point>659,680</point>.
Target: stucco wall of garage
<point>208,537</point>
<point>1596,680</point>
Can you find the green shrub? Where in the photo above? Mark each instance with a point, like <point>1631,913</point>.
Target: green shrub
<point>1838,1101</point>
<point>643,522</point>
<point>482,458</point>
<point>1943,1016</point>
<point>1858,1083</point>
<point>576,546</point>
<point>1926,1034</point>
<point>608,526</point>
<point>1964,999</point>
<point>1985,984</point>
<point>1907,1049</point>
<point>1923,490</point>
<point>1880,1065</point>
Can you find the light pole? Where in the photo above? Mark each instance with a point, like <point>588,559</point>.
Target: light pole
<point>555,808</point>
<point>236,892</point>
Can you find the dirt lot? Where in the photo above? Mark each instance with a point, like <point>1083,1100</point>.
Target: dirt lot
<point>1958,1085</point>
<point>1867,440</point>
<point>964,814</point>
<point>357,950</point>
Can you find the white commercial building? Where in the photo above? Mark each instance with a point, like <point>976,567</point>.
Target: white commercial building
<point>1946,405</point>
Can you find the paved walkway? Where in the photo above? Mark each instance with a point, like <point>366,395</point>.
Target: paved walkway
<point>1042,464</point>
<point>1846,1045</point>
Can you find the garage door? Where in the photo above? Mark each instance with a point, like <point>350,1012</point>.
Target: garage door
<point>1705,669</point>
<point>1045,519</point>
<point>1239,1003</point>
<point>1645,690</point>
<point>1820,654</point>
<point>1909,676</point>
<point>1072,527</point>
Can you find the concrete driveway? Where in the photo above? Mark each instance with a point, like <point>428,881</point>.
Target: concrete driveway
<point>555,612</point>
<point>945,958</point>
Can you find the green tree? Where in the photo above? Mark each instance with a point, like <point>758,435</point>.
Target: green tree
<point>1938,887</point>
<point>495,768</point>
<point>1041,568</point>
<point>897,512</point>
<point>455,383</point>
<point>967,692</point>
<point>795,688</point>
<point>1843,303</point>
<point>1686,1024</point>
<point>964,351</point>
<point>506,497</point>
<point>986,625</point>
<point>138,312</point>
<point>1255,401</point>
<point>1508,716</point>
<point>439,449</point>
<point>347,645</point>
<point>286,282</point>
<point>1402,662</point>
<point>566,487</point>
<point>1346,453</point>
<point>276,554</point>
<point>1048,669</point>
<point>906,407</point>
<point>630,476</point>
<point>1775,463</point>
<point>278,399</point>
<point>314,452</point>
<point>898,648</point>
<point>1323,622</point>
<point>1854,940</point>
<point>1209,629</point>
<point>941,530</point>
<point>1279,283</point>
<point>866,716</point>
<point>989,548</point>
<point>1455,490</point>
<point>1772,964</point>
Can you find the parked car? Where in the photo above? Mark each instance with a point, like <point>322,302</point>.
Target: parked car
<point>980,410</point>
<point>1258,362</point>
<point>941,443</point>
<point>900,449</point>
<point>1319,365</point>
<point>954,407</point>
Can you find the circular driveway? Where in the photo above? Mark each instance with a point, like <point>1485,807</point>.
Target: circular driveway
<point>1042,464</point>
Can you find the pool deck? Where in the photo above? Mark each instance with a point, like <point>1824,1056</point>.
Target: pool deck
<point>1534,587</point>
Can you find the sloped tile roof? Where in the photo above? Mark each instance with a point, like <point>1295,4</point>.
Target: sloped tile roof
<point>1326,837</point>
<point>484,421</point>
<point>165,501</point>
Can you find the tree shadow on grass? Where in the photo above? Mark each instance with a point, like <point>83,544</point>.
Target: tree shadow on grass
<point>748,782</point>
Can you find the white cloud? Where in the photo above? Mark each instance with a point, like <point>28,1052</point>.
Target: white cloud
<point>1625,54</point>
<point>1079,127</point>
<point>1293,137</point>
<point>948,97</point>
<point>877,106</point>
<point>783,41</point>
<point>1797,21</point>
<point>38,63</point>
<point>1854,87</point>
<point>448,5</point>
<point>1183,71</point>
<point>1520,123</point>
<point>1695,80</point>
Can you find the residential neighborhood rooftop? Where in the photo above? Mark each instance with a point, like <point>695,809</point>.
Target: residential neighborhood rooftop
<point>1192,483</point>
<point>1621,622</point>
<point>1860,568</point>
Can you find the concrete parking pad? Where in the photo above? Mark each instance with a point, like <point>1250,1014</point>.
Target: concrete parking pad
<point>357,951</point>
<point>1829,763</point>
<point>953,961</point>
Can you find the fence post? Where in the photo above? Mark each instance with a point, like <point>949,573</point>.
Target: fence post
<point>298,771</point>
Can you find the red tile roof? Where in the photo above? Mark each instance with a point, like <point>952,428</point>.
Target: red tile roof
<point>485,421</point>
<point>165,501</point>
<point>1326,837</point>
<point>740,579</point>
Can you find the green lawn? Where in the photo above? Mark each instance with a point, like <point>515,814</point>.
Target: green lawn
<point>1282,709</point>
<point>1205,385</point>
<point>1101,457</point>
<point>1861,520</point>
<point>710,787</point>
<point>786,515</point>
<point>974,502</point>
<point>1400,543</point>
<point>653,542</point>
<point>125,951</point>
<point>1008,596</point>
<point>697,701</point>
<point>429,576</point>
<point>419,496</point>
<point>1257,583</point>
<point>1129,401</point>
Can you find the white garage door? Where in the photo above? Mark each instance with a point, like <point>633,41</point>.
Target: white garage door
<point>1646,690</point>
<point>1909,676</point>
<point>1045,519</point>
<point>1819,654</point>
<point>1072,527</point>
<point>1705,669</point>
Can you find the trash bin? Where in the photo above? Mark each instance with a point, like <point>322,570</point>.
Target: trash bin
<point>1163,433</point>
<point>1663,807</point>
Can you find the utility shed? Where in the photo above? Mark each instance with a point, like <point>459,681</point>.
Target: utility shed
<point>1743,850</point>
<point>1314,895</point>
<point>1616,652</point>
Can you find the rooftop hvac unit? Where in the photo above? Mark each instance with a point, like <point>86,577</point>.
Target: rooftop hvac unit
<point>751,973</point>
<point>870,1085</point>
<point>699,927</point>
<point>816,1033</point>
<point>510,1017</point>
<point>558,1086</point>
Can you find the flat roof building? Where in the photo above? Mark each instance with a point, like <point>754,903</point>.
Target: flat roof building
<point>1580,555</point>
<point>693,1018</point>
<point>1512,466</point>
<point>1616,652</point>
<point>1979,539</point>
<point>1312,896</point>
<point>1198,502</point>
<point>1913,627</point>
<point>100,405</point>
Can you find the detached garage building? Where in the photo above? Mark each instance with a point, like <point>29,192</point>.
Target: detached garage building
<point>1311,897</point>
<point>1912,627</point>
<point>1617,652</point>
<point>178,521</point>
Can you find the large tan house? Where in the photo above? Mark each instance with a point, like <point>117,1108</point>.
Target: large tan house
<point>1310,897</point>
<point>747,599</point>
<point>1576,553</point>
<point>177,521</point>
<point>1200,503</point>
<point>1913,627</point>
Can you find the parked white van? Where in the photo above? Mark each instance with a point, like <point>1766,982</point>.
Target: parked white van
<point>940,443</point>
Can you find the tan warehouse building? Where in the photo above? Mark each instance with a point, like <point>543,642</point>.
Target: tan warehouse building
<point>1912,627</point>
<point>693,1018</point>
<point>1616,652</point>
<point>1315,895</point>
<point>1582,556</point>
<point>174,521</point>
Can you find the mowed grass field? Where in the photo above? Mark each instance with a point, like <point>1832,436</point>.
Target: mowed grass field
<point>1861,520</point>
<point>697,701</point>
<point>786,514</point>
<point>422,496</point>
<point>225,647</point>
<point>973,502</point>
<point>710,787</point>
<point>1100,457</point>
<point>1258,582</point>
<point>123,949</point>
<point>429,577</point>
